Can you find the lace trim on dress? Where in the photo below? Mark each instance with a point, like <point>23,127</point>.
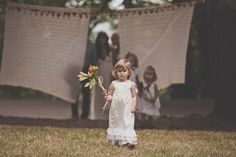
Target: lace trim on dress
<point>118,136</point>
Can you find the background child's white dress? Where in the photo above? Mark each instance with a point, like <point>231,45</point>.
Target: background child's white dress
<point>121,120</point>
<point>149,108</point>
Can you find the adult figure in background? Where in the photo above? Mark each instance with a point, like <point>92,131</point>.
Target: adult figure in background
<point>104,63</point>
<point>115,48</point>
<point>90,59</point>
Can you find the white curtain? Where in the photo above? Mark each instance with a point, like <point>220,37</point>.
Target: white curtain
<point>159,39</point>
<point>44,49</point>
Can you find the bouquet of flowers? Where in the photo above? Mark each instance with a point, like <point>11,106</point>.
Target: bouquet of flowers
<point>93,78</point>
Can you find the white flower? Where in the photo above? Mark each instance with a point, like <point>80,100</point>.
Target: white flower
<point>74,3</point>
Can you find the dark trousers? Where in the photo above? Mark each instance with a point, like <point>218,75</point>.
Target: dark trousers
<point>86,102</point>
<point>74,108</point>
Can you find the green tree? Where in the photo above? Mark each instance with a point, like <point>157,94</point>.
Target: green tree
<point>217,45</point>
<point>210,57</point>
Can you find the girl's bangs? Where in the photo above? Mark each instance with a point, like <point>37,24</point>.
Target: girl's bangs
<point>120,68</point>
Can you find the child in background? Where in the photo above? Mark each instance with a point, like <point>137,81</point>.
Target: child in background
<point>150,95</point>
<point>134,62</point>
<point>122,94</point>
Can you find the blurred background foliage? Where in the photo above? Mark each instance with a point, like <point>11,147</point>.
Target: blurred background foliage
<point>198,74</point>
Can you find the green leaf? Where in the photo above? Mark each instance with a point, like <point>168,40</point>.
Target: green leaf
<point>87,84</point>
<point>93,83</point>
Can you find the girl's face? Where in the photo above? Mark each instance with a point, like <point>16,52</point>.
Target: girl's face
<point>115,40</point>
<point>122,74</point>
<point>149,76</point>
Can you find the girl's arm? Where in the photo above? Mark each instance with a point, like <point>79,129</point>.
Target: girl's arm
<point>134,98</point>
<point>109,95</point>
<point>144,96</point>
<point>139,86</point>
<point>156,92</point>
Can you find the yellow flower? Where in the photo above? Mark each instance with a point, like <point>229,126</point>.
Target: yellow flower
<point>92,69</point>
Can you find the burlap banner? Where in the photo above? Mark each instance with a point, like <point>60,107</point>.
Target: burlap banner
<point>44,49</point>
<point>158,38</point>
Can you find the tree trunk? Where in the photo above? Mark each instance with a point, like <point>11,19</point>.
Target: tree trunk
<point>225,102</point>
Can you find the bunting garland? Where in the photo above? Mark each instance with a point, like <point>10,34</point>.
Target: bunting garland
<point>47,11</point>
<point>155,9</point>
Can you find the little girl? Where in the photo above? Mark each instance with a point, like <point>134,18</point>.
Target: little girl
<point>122,94</point>
<point>150,94</point>
<point>134,62</point>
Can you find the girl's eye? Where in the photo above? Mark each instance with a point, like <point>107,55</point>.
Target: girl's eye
<point>122,71</point>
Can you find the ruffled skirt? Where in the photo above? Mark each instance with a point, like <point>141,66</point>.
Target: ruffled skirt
<point>120,136</point>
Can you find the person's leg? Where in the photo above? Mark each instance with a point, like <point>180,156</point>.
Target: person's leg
<point>150,118</point>
<point>143,117</point>
<point>74,110</point>
<point>74,107</point>
<point>85,103</point>
<point>142,121</point>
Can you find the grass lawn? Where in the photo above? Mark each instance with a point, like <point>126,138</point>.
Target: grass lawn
<point>18,140</point>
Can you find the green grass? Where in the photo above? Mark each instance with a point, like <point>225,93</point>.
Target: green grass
<point>52,141</point>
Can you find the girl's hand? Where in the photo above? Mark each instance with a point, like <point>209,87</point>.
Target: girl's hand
<point>133,109</point>
<point>108,97</point>
<point>151,100</point>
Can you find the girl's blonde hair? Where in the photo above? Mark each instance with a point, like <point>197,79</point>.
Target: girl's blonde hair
<point>152,69</point>
<point>122,64</point>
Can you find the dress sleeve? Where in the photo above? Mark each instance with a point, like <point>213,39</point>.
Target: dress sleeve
<point>113,83</point>
<point>133,85</point>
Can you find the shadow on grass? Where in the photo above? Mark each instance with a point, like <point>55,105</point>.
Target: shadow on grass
<point>191,122</point>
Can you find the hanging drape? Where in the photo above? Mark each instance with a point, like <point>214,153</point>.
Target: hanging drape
<point>44,48</point>
<point>159,37</point>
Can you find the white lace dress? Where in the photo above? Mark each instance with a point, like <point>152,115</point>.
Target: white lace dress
<point>148,108</point>
<point>121,120</point>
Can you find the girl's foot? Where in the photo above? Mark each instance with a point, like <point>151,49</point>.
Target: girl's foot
<point>131,146</point>
<point>125,144</point>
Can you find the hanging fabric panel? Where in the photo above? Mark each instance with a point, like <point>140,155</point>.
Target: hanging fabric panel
<point>44,48</point>
<point>159,37</point>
